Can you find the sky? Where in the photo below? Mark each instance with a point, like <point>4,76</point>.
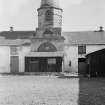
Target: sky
<point>78,15</point>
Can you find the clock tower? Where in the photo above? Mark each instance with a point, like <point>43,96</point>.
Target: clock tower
<point>49,19</point>
<point>48,44</point>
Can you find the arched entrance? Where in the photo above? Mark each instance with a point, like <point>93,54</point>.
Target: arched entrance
<point>49,64</point>
<point>46,59</point>
<point>47,47</point>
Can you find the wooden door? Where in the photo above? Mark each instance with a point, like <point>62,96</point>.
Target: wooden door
<point>59,64</point>
<point>82,66</point>
<point>14,64</point>
<point>43,64</point>
<point>34,66</point>
<point>51,65</point>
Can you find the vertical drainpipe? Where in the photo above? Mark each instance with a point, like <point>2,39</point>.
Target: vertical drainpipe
<point>89,66</point>
<point>63,64</point>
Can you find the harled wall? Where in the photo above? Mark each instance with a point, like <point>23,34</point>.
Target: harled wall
<point>4,59</point>
<point>71,57</point>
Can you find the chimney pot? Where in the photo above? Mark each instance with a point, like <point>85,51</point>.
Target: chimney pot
<point>11,29</point>
<point>101,29</point>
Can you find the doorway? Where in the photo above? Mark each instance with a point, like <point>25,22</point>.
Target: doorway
<point>82,66</point>
<point>43,64</point>
<point>14,64</point>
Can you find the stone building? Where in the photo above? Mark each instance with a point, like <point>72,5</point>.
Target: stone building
<point>48,49</point>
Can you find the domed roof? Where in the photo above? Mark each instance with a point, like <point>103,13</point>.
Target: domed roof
<point>51,3</point>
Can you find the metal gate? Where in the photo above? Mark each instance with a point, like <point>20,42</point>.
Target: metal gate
<point>43,64</point>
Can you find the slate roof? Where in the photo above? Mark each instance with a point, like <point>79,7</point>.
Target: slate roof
<point>17,42</point>
<point>72,38</point>
<point>84,37</point>
<point>17,34</point>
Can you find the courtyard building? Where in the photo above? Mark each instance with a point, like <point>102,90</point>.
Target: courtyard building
<point>48,49</point>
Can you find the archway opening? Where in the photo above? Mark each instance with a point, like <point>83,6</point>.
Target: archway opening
<point>47,47</point>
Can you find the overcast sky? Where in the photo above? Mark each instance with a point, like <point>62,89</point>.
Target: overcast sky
<point>77,14</point>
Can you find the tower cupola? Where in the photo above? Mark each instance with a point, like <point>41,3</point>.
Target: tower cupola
<point>50,3</point>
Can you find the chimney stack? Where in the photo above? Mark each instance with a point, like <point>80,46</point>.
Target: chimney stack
<point>11,29</point>
<point>101,29</point>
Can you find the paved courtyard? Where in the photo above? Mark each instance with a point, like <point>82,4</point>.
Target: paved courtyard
<point>50,90</point>
<point>38,90</point>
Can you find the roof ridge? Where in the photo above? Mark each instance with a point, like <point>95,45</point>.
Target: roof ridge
<point>79,31</point>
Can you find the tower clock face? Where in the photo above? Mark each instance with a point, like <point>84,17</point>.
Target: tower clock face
<point>49,15</point>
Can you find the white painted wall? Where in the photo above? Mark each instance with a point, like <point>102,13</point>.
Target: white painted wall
<point>4,59</point>
<point>93,48</point>
<point>71,54</point>
<point>24,50</point>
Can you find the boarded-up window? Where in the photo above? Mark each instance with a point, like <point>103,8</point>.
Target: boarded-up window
<point>14,50</point>
<point>82,49</point>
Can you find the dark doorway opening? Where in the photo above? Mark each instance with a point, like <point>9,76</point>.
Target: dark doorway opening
<point>82,66</point>
<point>43,64</point>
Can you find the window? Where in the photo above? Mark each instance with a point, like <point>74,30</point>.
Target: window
<point>81,59</point>
<point>52,61</point>
<point>49,15</point>
<point>47,31</point>
<point>14,50</point>
<point>82,49</point>
<point>47,47</point>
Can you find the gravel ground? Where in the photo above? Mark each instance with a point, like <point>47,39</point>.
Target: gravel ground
<point>38,90</point>
<point>92,92</point>
<point>50,90</point>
